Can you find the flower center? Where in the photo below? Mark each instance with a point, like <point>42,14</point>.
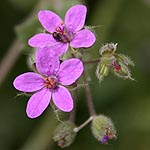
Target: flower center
<point>62,34</point>
<point>50,82</point>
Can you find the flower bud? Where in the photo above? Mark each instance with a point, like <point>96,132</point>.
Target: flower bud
<point>102,71</point>
<point>64,134</point>
<point>120,66</point>
<point>103,129</point>
<point>111,60</point>
<point>104,65</point>
<point>108,48</point>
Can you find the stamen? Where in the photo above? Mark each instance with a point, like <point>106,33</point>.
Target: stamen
<point>49,83</point>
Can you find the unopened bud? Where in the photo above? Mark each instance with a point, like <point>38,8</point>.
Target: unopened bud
<point>111,60</point>
<point>120,66</point>
<point>104,65</point>
<point>64,134</point>
<point>108,48</point>
<point>103,129</point>
<point>102,71</point>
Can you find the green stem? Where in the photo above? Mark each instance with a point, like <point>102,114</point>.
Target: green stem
<point>92,61</point>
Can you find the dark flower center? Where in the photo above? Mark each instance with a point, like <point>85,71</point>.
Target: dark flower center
<point>50,83</point>
<point>62,34</point>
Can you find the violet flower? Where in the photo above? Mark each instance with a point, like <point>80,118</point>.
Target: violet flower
<point>49,82</point>
<point>60,33</point>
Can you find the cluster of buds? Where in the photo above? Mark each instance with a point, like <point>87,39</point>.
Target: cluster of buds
<point>110,60</point>
<point>103,129</point>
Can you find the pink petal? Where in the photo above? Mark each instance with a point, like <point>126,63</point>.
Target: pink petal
<point>49,20</point>
<point>41,40</point>
<point>47,62</point>
<point>75,17</point>
<point>70,70</point>
<point>28,82</point>
<point>62,99</point>
<point>60,48</point>
<point>38,103</point>
<point>84,38</point>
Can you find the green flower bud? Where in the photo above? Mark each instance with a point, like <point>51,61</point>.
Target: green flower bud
<point>103,129</point>
<point>108,48</point>
<point>64,134</point>
<point>104,65</point>
<point>107,59</point>
<point>102,71</point>
<point>111,60</point>
<point>120,66</point>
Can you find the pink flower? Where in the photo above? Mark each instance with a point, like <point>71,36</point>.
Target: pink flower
<point>60,33</point>
<point>49,82</point>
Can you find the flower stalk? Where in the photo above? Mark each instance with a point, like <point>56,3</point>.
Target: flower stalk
<point>77,129</point>
<point>73,112</point>
<point>88,95</point>
<point>92,61</point>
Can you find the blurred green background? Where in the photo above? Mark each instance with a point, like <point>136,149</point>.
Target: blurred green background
<point>126,22</point>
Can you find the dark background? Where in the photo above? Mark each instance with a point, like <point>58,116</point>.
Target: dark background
<point>126,22</point>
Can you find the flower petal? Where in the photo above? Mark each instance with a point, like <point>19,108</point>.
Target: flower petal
<point>84,38</point>
<point>47,62</point>
<point>60,48</point>
<point>38,103</point>
<point>41,40</point>
<point>75,17</point>
<point>28,82</point>
<point>70,70</point>
<point>49,20</point>
<point>62,99</point>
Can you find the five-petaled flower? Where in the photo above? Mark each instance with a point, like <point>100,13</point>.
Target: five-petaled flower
<point>49,82</point>
<point>60,33</point>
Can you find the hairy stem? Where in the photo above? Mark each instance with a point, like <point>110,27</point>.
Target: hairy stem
<point>92,61</point>
<point>88,95</point>
<point>77,129</point>
<point>73,113</point>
